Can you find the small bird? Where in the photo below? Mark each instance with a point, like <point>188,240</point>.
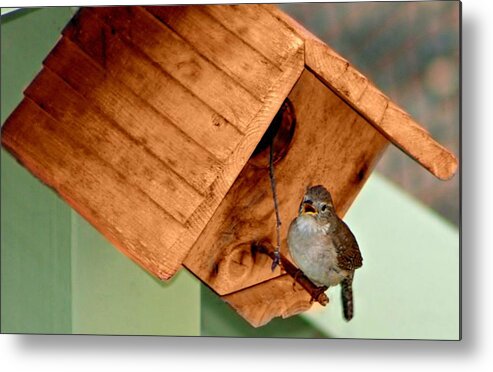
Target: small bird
<point>323,247</point>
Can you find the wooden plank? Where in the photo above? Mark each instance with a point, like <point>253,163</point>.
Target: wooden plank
<point>222,47</point>
<point>150,83</point>
<point>274,298</point>
<point>172,54</point>
<point>84,125</point>
<point>332,145</point>
<point>374,103</point>
<point>134,115</point>
<point>125,215</point>
<point>259,29</point>
<point>416,141</point>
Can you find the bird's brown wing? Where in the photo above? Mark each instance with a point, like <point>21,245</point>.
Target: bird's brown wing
<point>348,253</point>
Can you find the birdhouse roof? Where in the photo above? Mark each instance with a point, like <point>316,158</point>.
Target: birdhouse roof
<point>142,117</point>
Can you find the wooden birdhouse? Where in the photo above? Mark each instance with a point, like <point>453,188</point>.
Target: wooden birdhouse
<point>155,124</point>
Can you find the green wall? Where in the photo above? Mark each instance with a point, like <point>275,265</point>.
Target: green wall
<point>35,223</point>
<point>58,274</point>
<point>35,255</point>
<point>113,295</point>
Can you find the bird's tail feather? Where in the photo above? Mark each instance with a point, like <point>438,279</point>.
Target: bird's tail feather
<point>347,298</point>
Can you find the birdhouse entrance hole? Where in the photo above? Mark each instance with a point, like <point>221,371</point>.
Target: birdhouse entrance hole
<point>280,133</point>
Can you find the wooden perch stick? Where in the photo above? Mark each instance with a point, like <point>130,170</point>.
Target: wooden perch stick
<point>317,293</point>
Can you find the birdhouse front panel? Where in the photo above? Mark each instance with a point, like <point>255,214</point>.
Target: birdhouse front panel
<point>142,121</point>
<point>332,145</point>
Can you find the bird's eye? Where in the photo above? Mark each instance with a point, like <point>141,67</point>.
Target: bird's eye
<point>324,208</point>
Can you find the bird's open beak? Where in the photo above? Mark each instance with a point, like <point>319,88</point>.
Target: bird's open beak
<point>308,209</point>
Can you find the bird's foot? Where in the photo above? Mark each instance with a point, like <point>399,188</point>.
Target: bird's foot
<point>316,294</point>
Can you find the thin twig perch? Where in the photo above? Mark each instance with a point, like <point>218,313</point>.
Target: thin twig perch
<point>317,293</point>
<point>276,258</point>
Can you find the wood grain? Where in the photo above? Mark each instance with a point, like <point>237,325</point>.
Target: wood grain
<point>153,85</point>
<point>221,46</point>
<point>179,59</point>
<point>254,25</point>
<point>84,125</point>
<point>333,146</point>
<point>405,133</point>
<point>122,212</point>
<point>134,115</point>
<point>381,112</point>
<point>274,298</point>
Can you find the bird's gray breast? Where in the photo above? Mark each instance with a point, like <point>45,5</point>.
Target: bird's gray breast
<point>314,252</point>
